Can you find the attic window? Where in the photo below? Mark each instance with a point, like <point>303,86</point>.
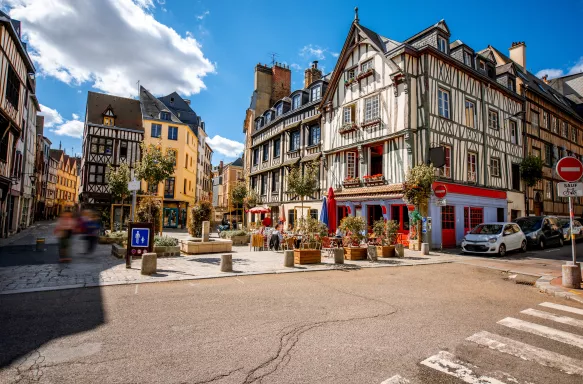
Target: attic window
<point>171,99</point>
<point>165,116</point>
<point>441,44</point>
<point>522,75</point>
<point>467,59</point>
<point>541,87</point>
<point>108,121</point>
<point>482,66</point>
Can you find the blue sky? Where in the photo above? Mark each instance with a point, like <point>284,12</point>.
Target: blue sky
<point>209,48</point>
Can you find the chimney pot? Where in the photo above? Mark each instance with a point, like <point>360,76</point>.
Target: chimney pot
<point>315,64</point>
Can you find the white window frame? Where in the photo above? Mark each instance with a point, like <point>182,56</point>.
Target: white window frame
<point>316,93</point>
<point>279,110</point>
<point>350,74</point>
<point>474,115</point>
<point>443,104</point>
<point>495,166</point>
<point>366,65</point>
<point>493,119</point>
<point>441,44</point>
<point>371,108</point>
<point>347,115</point>
<point>351,163</point>
<point>297,101</point>
<point>467,58</point>
<point>445,171</point>
<point>267,118</point>
<point>513,131</point>
<point>472,161</point>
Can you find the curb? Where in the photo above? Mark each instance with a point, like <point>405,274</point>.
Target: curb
<point>544,285</point>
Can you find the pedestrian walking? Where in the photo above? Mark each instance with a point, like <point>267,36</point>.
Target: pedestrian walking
<point>91,227</point>
<point>64,231</point>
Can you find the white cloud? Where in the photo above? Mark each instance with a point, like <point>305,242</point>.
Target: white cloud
<point>75,116</point>
<point>224,146</point>
<point>203,15</point>
<point>313,51</point>
<point>52,116</point>
<point>556,72</point>
<point>295,66</point>
<point>111,44</point>
<point>335,54</point>
<point>73,128</point>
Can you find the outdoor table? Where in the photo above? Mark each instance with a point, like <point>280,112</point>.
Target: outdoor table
<point>257,240</point>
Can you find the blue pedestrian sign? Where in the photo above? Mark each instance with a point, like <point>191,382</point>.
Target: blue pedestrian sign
<point>140,237</point>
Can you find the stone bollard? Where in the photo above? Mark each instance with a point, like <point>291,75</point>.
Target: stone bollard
<point>149,263</point>
<point>425,248</point>
<point>371,253</point>
<point>206,226</point>
<point>399,250</point>
<point>572,276</point>
<point>288,259</point>
<point>338,255</point>
<point>40,244</point>
<point>226,263</point>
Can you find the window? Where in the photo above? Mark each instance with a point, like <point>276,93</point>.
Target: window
<point>482,66</point>
<point>316,93</point>
<point>123,149</point>
<point>554,124</point>
<point>471,114</point>
<point>565,132</point>
<point>495,166</point>
<point>291,214</point>
<point>172,153</point>
<point>442,44</point>
<point>255,156</point>
<point>511,84</point>
<point>546,123</point>
<point>351,166</point>
<point>296,101</point>
<point>443,103</point>
<point>169,188</point>
<point>267,117</point>
<point>254,182</point>
<point>548,190</point>
<point>275,182</point>
<point>101,146</point>
<point>492,119</point>
<point>294,143</point>
<point>265,152</point>
<point>534,121</point>
<point>472,167</point>
<point>12,87</point>
<point>184,187</point>
<point>574,134</point>
<point>548,155</point>
<point>97,174</point>
<point>263,184</point>
<point>467,58</point>
<point>513,132</point>
<point>314,135</point>
<point>186,161</point>
<point>156,130</point>
<point>314,214</point>
<point>107,120</point>
<point>350,74</point>
<point>348,114</point>
<point>172,133</point>
<point>276,147</point>
<point>371,108</point>
<point>4,148</point>
<point>366,65</point>
<point>445,171</point>
<point>165,116</point>
<point>279,110</point>
<point>257,124</point>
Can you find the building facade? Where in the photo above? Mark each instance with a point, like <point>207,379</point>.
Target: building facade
<point>67,184</point>
<point>225,177</point>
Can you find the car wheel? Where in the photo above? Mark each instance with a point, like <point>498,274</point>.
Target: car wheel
<point>523,246</point>
<point>541,244</point>
<point>502,250</point>
<point>561,242</point>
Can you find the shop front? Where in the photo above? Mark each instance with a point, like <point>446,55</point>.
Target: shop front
<point>175,214</point>
<point>461,209</point>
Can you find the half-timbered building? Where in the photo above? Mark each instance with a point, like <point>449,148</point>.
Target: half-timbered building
<point>286,134</point>
<point>392,105</point>
<point>112,136</point>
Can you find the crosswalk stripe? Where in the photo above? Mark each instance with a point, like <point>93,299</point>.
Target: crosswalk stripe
<point>396,380</point>
<point>447,363</point>
<point>562,308</point>
<point>528,352</point>
<point>549,316</point>
<point>541,330</point>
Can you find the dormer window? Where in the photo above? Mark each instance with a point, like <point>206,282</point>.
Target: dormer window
<point>267,117</point>
<point>483,66</point>
<point>442,44</point>
<point>108,121</point>
<point>165,116</point>
<point>467,59</point>
<point>317,93</point>
<point>279,110</point>
<point>257,124</point>
<point>296,101</point>
<point>511,84</point>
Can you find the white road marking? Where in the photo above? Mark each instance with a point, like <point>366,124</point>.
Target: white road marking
<point>528,352</point>
<point>396,380</point>
<point>549,316</point>
<point>541,330</point>
<point>447,363</point>
<point>136,291</point>
<point>564,308</point>
<point>236,278</point>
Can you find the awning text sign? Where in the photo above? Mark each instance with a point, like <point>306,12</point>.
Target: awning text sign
<point>570,189</point>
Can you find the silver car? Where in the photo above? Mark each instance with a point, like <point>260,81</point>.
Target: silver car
<point>566,228</point>
<point>494,238</point>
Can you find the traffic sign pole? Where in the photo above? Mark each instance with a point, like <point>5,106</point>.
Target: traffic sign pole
<point>571,214</point>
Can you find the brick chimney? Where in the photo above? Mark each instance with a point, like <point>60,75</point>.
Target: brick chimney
<point>281,83</point>
<point>312,74</point>
<point>545,78</point>
<point>518,53</point>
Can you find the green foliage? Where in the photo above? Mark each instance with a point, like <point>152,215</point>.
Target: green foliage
<point>201,211</point>
<point>229,234</point>
<point>303,183</point>
<point>118,179</point>
<point>155,166</point>
<point>148,211</point>
<point>354,227</point>
<point>165,241</point>
<point>239,193</point>
<point>252,199</point>
<point>417,185</point>
<point>312,231</point>
<point>386,231</point>
<point>531,170</point>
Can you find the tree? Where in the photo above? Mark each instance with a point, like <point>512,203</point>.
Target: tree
<point>303,183</point>
<point>417,189</point>
<point>531,172</point>
<point>155,167</point>
<point>118,179</point>
<point>238,195</point>
<point>148,211</point>
<point>201,211</point>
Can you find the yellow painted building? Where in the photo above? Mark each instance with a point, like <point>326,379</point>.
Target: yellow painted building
<point>67,183</point>
<point>164,129</point>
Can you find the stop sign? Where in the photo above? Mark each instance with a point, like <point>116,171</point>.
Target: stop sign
<point>570,169</point>
<point>440,191</point>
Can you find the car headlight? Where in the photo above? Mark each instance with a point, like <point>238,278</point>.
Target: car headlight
<point>532,235</point>
<point>492,240</point>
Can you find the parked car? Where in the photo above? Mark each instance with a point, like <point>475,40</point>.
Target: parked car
<point>494,238</point>
<point>565,225</point>
<point>541,231</point>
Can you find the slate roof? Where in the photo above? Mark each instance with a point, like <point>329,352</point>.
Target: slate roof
<point>182,110</point>
<point>236,163</point>
<point>151,106</point>
<point>127,111</point>
<point>503,68</point>
<point>455,44</point>
<point>56,154</point>
<point>440,24</point>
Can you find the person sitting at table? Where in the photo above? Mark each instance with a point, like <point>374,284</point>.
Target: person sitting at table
<point>276,238</point>
<point>339,233</point>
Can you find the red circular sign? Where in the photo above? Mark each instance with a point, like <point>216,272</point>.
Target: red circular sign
<point>570,169</point>
<point>440,191</point>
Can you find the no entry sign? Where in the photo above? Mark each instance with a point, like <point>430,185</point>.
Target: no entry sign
<point>569,169</point>
<point>440,191</point>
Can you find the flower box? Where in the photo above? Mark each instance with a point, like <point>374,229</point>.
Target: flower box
<point>349,82</point>
<point>355,253</point>
<point>374,180</point>
<point>307,256</point>
<point>351,183</point>
<point>371,122</point>
<point>367,73</point>
<point>348,127</point>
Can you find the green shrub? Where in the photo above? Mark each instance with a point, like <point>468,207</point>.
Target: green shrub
<point>229,234</point>
<point>165,241</point>
<point>201,211</point>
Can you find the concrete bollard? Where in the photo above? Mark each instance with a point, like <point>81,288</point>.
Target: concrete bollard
<point>288,259</point>
<point>572,276</point>
<point>226,263</point>
<point>399,250</point>
<point>149,263</point>
<point>40,244</point>
<point>206,226</point>
<point>371,253</point>
<point>338,255</point>
<point>425,248</point>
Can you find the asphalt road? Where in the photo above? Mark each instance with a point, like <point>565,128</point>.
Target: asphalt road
<point>361,326</point>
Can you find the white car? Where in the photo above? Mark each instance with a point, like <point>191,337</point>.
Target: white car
<point>494,238</point>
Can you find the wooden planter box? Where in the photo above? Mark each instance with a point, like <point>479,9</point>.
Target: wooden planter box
<point>240,240</point>
<point>375,180</point>
<point>307,256</point>
<point>355,253</point>
<point>351,184</point>
<point>385,251</point>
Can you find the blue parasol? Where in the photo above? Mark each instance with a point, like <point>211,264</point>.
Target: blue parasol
<point>324,212</point>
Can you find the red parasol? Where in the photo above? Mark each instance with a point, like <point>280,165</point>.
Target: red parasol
<point>331,210</point>
<point>282,215</point>
<point>259,210</point>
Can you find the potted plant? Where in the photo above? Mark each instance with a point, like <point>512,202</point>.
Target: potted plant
<point>386,232</point>
<point>416,191</point>
<point>354,227</point>
<point>166,246</point>
<point>351,182</point>
<point>312,231</point>
<point>374,179</point>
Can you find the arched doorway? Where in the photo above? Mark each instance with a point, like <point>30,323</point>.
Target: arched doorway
<point>538,203</point>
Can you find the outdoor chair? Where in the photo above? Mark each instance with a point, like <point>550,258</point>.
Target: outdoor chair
<point>327,247</point>
<point>288,243</point>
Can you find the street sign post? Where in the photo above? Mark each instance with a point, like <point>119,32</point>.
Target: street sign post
<point>133,185</point>
<point>140,240</point>
<point>440,203</point>
<point>570,169</point>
